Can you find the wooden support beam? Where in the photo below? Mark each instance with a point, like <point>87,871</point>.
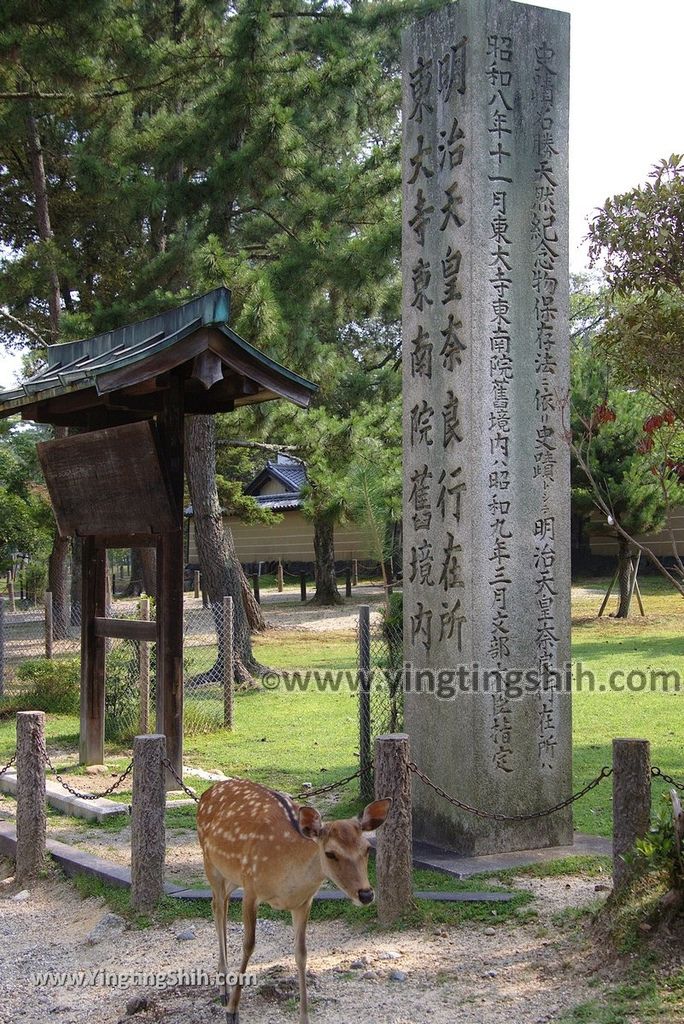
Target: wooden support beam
<point>126,629</point>
<point>170,586</point>
<point>91,743</point>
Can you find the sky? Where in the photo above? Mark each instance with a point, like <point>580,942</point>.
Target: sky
<point>625,106</point>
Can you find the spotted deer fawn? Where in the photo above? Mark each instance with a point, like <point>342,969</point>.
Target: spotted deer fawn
<point>279,853</point>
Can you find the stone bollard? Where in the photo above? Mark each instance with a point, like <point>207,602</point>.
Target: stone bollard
<point>279,578</point>
<point>148,840</point>
<point>228,667</point>
<point>394,843</point>
<point>30,794</point>
<point>631,801</point>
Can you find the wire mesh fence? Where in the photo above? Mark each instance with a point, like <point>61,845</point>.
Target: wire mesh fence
<point>380,646</point>
<point>44,671</point>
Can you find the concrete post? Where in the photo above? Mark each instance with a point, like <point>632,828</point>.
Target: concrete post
<point>631,801</point>
<point>394,843</point>
<point>280,580</point>
<point>30,794</point>
<point>48,624</point>
<point>148,841</point>
<point>144,670</point>
<point>228,668</point>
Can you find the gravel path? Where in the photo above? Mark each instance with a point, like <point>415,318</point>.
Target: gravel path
<point>524,974</point>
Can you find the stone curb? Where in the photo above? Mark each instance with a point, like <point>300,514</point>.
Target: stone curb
<point>74,862</point>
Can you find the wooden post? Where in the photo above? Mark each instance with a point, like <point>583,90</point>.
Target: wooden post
<point>196,576</point>
<point>170,423</point>
<point>30,853</point>
<point>355,572</point>
<point>280,577</point>
<point>93,602</point>
<point>2,647</point>
<point>12,597</point>
<point>228,683</point>
<point>148,841</point>
<point>394,842</point>
<point>348,582</point>
<point>366,780</point>
<point>607,595</point>
<point>631,801</point>
<point>48,624</point>
<point>302,585</point>
<point>634,583</point>
<point>255,587</point>
<point>144,670</point>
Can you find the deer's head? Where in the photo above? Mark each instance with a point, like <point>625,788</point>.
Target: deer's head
<point>343,848</point>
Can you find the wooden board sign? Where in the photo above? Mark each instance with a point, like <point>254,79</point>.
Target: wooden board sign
<point>109,482</point>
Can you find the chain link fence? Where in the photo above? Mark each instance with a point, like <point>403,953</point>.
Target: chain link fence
<point>42,671</point>
<point>380,648</point>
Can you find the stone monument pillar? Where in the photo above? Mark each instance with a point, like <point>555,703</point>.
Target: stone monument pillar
<point>486,381</point>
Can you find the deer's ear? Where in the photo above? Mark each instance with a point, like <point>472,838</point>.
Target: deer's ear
<point>374,815</point>
<point>310,822</point>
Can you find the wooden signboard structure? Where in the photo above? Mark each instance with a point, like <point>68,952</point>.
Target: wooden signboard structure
<point>118,482</point>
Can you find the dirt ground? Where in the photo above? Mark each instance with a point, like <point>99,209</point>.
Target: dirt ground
<point>474,974</point>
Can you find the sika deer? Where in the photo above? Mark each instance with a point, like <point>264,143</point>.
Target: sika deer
<point>280,853</point>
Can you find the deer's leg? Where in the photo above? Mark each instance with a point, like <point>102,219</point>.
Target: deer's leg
<point>300,918</point>
<point>249,917</point>
<point>220,897</point>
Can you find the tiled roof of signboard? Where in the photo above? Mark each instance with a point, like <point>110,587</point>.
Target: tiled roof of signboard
<point>74,365</point>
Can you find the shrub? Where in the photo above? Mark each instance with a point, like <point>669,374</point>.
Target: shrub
<point>122,698</point>
<point>53,685</point>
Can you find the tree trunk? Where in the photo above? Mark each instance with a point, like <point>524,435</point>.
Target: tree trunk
<point>624,578</point>
<point>222,574</point>
<point>43,217</point>
<point>143,573</point>
<point>58,562</point>
<point>58,585</point>
<point>324,564</point>
<point>76,580</point>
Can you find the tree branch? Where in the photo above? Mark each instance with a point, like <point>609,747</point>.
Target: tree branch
<point>26,328</point>
<point>262,446</point>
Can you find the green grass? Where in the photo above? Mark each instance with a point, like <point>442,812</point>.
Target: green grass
<point>422,913</point>
<point>286,738</point>
<point>648,996</point>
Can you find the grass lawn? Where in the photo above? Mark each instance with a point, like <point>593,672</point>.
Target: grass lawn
<point>288,738</point>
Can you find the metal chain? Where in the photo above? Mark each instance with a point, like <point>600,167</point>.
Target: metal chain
<point>605,773</point>
<point>9,764</point>
<point>319,790</point>
<point>658,774</point>
<point>75,792</point>
<point>186,789</point>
